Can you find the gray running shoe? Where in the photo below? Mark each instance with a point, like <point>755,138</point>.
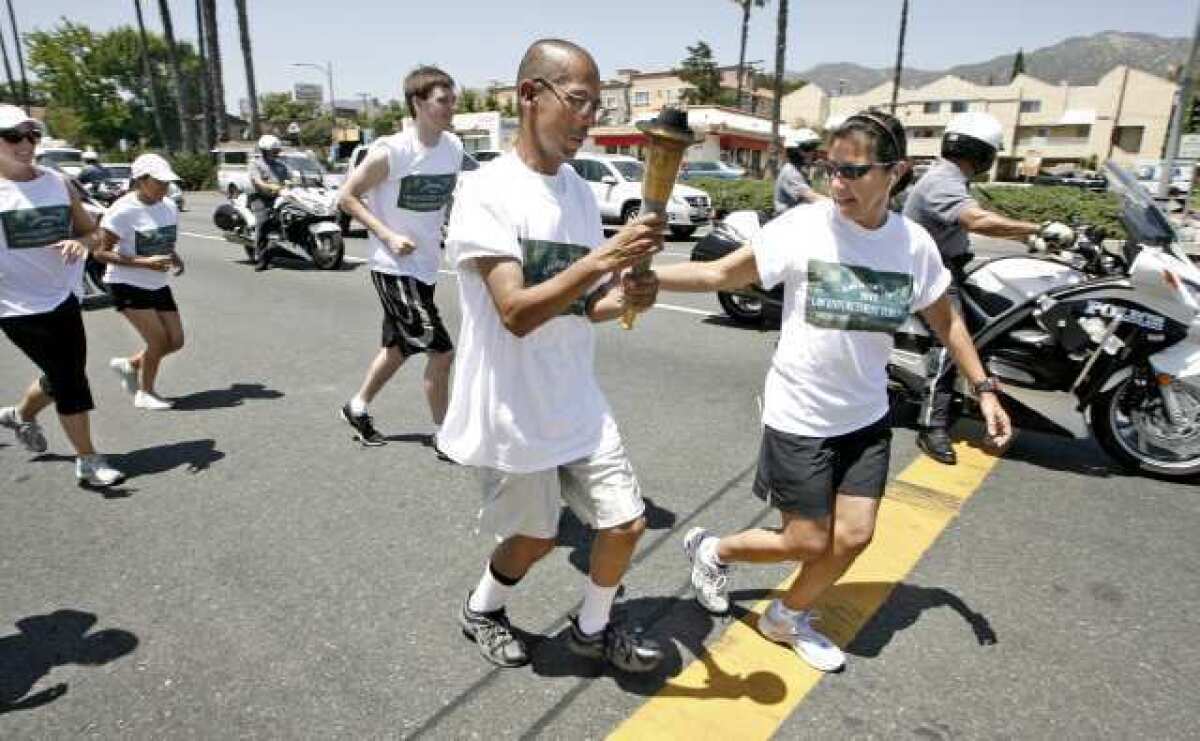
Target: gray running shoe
<point>709,580</point>
<point>29,434</point>
<point>620,647</point>
<point>493,634</point>
<point>94,470</point>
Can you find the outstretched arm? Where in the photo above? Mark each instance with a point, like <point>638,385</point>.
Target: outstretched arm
<point>736,270</point>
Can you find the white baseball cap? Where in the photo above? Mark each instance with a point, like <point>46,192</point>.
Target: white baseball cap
<point>154,166</point>
<point>12,116</point>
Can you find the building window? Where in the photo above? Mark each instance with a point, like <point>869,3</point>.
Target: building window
<point>933,107</point>
<point>641,98</point>
<point>1031,106</point>
<point>958,106</point>
<point>1129,138</point>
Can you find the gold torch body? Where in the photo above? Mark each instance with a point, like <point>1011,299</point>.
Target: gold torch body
<point>667,137</point>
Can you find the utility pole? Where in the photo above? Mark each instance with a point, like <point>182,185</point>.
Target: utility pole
<point>899,55</point>
<point>12,18</point>
<point>1187,79</point>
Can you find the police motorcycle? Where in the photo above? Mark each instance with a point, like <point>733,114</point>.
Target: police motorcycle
<point>307,215</point>
<point>1117,330</point>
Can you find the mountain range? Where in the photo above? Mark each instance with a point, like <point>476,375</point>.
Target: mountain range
<point>1080,60</point>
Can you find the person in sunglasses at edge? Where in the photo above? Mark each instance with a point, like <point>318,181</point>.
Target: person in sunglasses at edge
<point>853,272</point>
<point>792,187</point>
<point>407,180</point>
<point>42,252</point>
<point>941,202</point>
<point>535,273</point>
<point>137,241</point>
<point>268,177</point>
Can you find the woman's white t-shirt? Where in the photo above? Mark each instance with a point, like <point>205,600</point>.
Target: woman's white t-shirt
<point>524,404</point>
<point>412,200</point>
<point>142,231</point>
<point>846,291</point>
<point>34,215</point>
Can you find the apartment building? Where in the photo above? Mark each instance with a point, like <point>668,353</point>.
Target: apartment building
<point>1124,116</point>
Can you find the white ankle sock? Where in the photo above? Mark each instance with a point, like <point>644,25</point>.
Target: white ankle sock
<point>597,604</point>
<point>490,594</point>
<point>779,611</point>
<point>358,406</point>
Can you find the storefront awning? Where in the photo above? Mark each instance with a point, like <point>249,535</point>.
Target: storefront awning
<point>619,140</point>
<point>733,141</point>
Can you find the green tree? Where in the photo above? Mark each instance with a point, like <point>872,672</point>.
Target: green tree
<point>469,101</point>
<point>700,71</point>
<point>1018,67</point>
<point>745,5</point>
<point>280,108</point>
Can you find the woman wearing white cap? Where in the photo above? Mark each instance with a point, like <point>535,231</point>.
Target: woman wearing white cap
<point>43,228</point>
<point>137,240</point>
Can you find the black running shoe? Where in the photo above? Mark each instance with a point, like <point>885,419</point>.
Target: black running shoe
<point>493,634</point>
<point>363,427</point>
<point>626,650</point>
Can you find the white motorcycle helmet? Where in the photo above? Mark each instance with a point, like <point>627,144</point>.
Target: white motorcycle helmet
<point>974,137</point>
<point>269,143</point>
<point>801,139</point>
<point>90,156</point>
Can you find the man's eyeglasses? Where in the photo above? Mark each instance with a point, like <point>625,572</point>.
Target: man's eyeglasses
<point>850,170</point>
<point>14,136</point>
<point>578,102</point>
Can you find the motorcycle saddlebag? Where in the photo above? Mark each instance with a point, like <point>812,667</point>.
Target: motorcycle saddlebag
<point>227,218</point>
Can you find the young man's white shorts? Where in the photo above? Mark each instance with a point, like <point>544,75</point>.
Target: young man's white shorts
<point>601,490</point>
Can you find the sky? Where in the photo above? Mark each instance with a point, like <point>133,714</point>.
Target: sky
<point>373,43</point>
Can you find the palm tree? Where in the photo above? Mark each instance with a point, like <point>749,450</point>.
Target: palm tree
<point>12,84</point>
<point>776,113</point>
<point>12,18</point>
<point>149,78</point>
<point>216,82</point>
<point>208,133</point>
<point>244,27</point>
<point>181,109</point>
<point>899,55</point>
<point>745,5</point>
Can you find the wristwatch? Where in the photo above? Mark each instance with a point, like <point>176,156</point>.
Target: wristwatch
<point>989,384</point>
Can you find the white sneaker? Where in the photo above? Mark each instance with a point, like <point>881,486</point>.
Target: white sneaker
<point>95,471</point>
<point>29,434</point>
<point>709,578</point>
<point>795,629</point>
<point>126,372</point>
<point>146,400</point>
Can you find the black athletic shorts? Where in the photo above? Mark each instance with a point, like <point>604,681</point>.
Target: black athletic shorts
<point>802,475</point>
<point>126,296</point>
<point>411,321</point>
<point>57,345</point>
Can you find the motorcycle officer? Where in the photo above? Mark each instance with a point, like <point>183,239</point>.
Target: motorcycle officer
<point>93,173</point>
<point>792,187</point>
<point>268,176</point>
<point>941,202</point>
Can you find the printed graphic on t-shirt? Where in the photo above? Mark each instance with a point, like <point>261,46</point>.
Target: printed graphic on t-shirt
<point>151,242</point>
<point>27,228</point>
<point>545,259</point>
<point>425,192</point>
<point>856,298</point>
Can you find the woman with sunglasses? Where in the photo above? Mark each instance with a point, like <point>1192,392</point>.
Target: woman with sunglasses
<point>137,241</point>
<point>42,254</point>
<point>853,272</point>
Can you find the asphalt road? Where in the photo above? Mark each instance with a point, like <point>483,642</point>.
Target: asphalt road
<point>262,575</point>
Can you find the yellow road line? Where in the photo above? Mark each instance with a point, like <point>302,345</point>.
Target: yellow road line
<point>746,686</point>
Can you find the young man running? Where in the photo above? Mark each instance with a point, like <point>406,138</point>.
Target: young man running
<point>400,192</point>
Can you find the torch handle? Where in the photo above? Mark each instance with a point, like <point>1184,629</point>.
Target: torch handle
<point>642,267</point>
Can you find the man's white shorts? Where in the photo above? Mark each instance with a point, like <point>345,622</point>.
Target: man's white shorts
<point>601,489</point>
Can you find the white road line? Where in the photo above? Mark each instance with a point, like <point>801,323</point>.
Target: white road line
<point>684,309</point>
<point>204,236</point>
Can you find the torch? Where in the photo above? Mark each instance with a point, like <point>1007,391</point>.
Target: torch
<point>667,136</point>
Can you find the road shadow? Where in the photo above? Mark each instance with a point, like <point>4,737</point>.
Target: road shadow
<point>234,396</point>
<point>300,265</point>
<point>901,610</point>
<point>196,455</point>
<point>44,642</point>
<point>721,320</point>
<point>578,537</point>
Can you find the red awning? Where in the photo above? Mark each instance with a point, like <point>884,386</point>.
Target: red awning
<point>733,141</point>
<point>620,140</point>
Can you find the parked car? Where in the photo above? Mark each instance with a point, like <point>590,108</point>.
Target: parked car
<point>714,169</point>
<point>233,169</point>
<point>68,160</point>
<point>616,181</point>
<point>1180,184</point>
<point>1074,178</point>
<point>121,173</point>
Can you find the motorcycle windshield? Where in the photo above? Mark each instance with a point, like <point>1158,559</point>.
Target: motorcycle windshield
<point>1143,219</point>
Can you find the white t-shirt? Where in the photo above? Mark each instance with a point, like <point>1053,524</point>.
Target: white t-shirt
<point>412,202</point>
<point>34,215</point>
<point>523,404</point>
<point>846,291</point>
<point>142,231</point>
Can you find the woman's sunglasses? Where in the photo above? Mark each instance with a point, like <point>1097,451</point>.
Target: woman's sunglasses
<point>14,136</point>
<point>850,170</point>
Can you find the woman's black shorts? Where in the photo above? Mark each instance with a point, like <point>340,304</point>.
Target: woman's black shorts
<point>126,296</point>
<point>56,343</point>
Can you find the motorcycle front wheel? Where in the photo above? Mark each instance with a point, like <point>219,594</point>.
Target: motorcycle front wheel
<point>1132,425</point>
<point>741,309</point>
<point>328,251</point>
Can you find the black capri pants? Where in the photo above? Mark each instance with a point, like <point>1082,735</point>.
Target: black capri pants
<point>57,345</point>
